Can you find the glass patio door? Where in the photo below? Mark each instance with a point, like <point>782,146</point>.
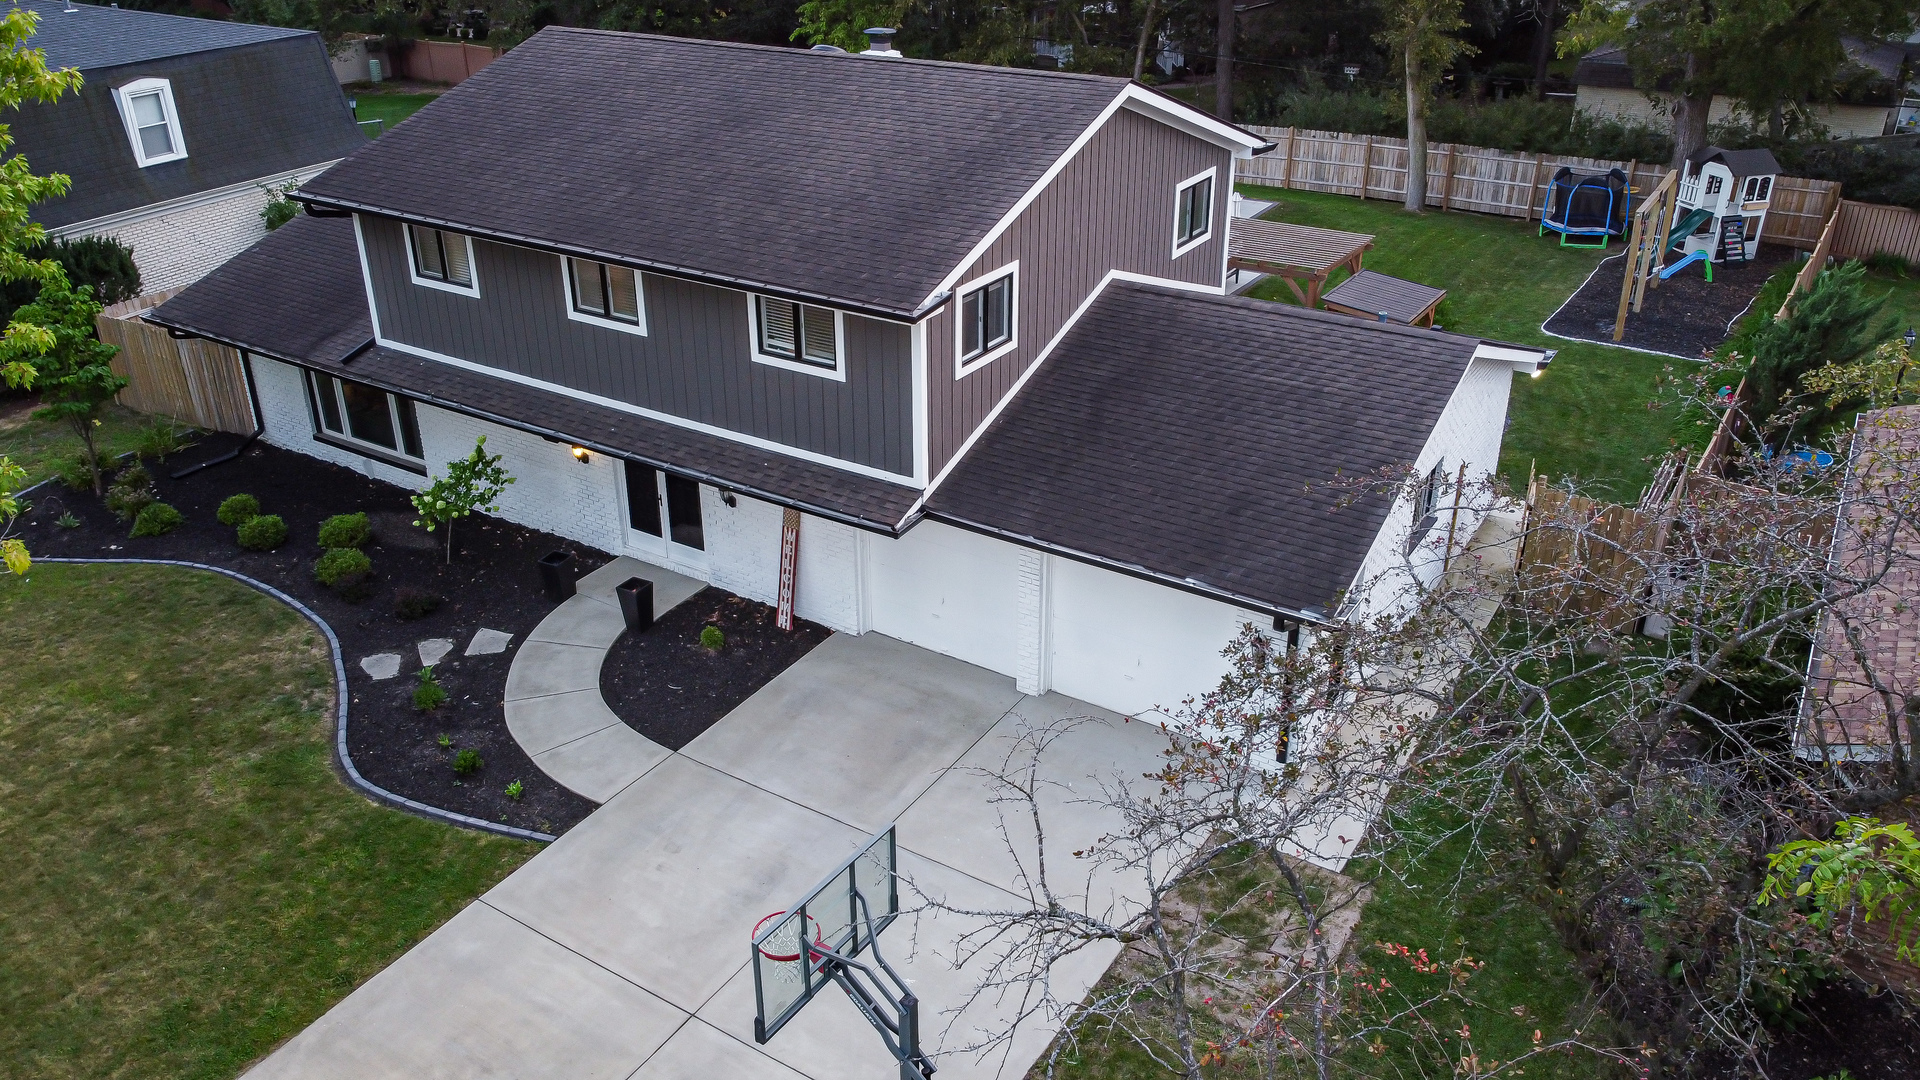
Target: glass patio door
<point>663,516</point>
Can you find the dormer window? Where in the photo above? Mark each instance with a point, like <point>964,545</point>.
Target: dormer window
<point>153,126</point>
<point>1193,213</point>
<point>605,295</point>
<point>799,337</point>
<point>441,260</point>
<point>988,317</point>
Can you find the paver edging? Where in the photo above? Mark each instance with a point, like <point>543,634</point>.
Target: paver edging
<point>366,787</point>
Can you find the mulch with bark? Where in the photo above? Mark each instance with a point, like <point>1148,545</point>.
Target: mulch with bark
<point>1683,316</point>
<point>493,581</point>
<point>1873,1036</point>
<point>670,688</point>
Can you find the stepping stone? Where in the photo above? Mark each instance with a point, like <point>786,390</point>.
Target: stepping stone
<point>434,649</point>
<point>381,665</point>
<point>488,642</point>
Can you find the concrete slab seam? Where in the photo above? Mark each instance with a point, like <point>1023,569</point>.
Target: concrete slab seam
<point>366,787</point>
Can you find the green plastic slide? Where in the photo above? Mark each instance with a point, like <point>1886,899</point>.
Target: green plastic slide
<point>1685,226</point>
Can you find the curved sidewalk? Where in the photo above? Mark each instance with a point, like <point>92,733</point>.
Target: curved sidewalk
<point>553,703</point>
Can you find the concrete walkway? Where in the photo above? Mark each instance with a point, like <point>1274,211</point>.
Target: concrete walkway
<point>553,702</point>
<point>620,951</point>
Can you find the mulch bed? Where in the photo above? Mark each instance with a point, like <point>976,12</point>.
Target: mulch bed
<point>670,688</point>
<point>1682,316</point>
<point>1872,1036</point>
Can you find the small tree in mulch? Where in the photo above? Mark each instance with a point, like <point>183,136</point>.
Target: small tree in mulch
<point>73,377</point>
<point>474,483</point>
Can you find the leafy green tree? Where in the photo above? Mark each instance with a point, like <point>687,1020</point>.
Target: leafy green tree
<point>74,377</point>
<point>100,261</point>
<point>841,22</point>
<point>1866,867</point>
<point>1836,322</point>
<point>24,76</point>
<point>1877,382</point>
<point>1423,37</point>
<point>473,483</point>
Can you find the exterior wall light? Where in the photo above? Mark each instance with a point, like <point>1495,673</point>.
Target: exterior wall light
<point>580,455</point>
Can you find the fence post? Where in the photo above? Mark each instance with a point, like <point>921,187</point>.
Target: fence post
<point>1286,176</point>
<point>1366,167</point>
<point>1533,186</point>
<point>1446,186</point>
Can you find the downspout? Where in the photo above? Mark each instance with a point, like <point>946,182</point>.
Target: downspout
<point>259,419</point>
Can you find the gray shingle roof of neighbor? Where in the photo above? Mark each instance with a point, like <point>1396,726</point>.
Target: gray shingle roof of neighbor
<point>853,180</point>
<point>297,295</point>
<point>91,36</point>
<point>1201,439</point>
<point>249,110</point>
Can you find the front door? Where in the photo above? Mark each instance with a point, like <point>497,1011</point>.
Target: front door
<point>663,516</point>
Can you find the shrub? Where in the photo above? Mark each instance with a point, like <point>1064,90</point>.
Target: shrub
<point>280,209</point>
<point>515,790</point>
<point>444,740</point>
<point>162,437</point>
<point>467,761</point>
<point>345,531</point>
<point>67,521</point>
<point>415,604</point>
<point>712,639</point>
<point>132,492</point>
<point>156,519</point>
<point>102,262</point>
<point>430,695</point>
<point>75,474</point>
<point>262,533</point>
<point>342,566</point>
<point>237,510</point>
<point>1883,262</point>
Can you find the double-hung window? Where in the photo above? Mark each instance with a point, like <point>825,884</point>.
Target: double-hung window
<point>602,293</point>
<point>364,418</point>
<point>1193,213</point>
<point>797,336</point>
<point>988,316</point>
<point>441,259</point>
<point>153,125</point>
<point>1426,504</point>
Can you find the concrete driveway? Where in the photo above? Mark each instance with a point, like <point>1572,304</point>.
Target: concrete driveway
<point>621,950</point>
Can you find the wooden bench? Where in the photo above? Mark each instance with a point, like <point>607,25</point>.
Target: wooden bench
<point>1369,295</point>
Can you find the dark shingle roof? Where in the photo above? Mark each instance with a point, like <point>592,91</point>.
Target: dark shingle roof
<point>1739,162</point>
<point>91,37</point>
<point>854,180</point>
<point>297,295</point>
<point>1195,437</point>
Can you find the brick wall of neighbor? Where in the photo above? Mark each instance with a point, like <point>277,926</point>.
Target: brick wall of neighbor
<point>177,249</point>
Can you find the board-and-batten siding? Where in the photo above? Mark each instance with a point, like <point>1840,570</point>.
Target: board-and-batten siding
<point>693,362</point>
<point>1111,208</point>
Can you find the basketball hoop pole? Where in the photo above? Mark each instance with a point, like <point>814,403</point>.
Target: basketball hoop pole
<point>895,1016</point>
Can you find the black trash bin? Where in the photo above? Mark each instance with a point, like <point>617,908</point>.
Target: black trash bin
<point>636,603</point>
<point>558,573</point>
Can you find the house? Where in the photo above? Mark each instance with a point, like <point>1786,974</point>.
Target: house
<point>179,131</point>
<point>1878,80</point>
<point>964,328</point>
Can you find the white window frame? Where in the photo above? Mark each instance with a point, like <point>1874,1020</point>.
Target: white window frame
<point>963,365</point>
<point>413,268</point>
<point>1180,189</point>
<point>123,97</point>
<point>574,313</point>
<point>371,449</point>
<point>838,372</point>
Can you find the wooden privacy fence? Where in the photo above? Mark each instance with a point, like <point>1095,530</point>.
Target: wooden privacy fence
<point>444,61</point>
<point>188,379</point>
<point>1587,556</point>
<point>1488,181</point>
<point>1866,229</point>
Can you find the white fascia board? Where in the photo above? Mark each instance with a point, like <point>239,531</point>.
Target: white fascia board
<point>1176,113</point>
<point>1523,360</point>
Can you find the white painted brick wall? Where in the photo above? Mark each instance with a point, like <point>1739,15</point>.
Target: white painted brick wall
<point>178,249</point>
<point>743,557</point>
<point>289,424</point>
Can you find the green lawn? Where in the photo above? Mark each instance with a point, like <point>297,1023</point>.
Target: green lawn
<point>42,447</point>
<point>391,108</point>
<point>188,881</point>
<point>1588,416</point>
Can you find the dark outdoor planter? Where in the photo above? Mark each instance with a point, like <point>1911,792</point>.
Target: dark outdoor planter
<point>558,573</point>
<point>636,604</point>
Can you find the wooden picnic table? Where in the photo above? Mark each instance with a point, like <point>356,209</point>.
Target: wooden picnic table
<point>1370,295</point>
<point>1295,253</point>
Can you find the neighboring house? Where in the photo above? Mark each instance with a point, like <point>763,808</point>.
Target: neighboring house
<point>1880,72</point>
<point>181,128</point>
<point>965,326</point>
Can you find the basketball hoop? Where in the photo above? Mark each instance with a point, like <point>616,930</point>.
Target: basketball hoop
<point>819,941</point>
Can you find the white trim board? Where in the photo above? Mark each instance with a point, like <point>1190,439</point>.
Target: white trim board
<point>837,373</point>
<point>576,315</point>
<point>666,418</point>
<point>471,289</point>
<point>1210,176</point>
<point>964,366</point>
<point>123,96</point>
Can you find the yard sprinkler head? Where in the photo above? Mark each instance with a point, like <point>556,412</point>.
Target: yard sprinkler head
<point>581,455</point>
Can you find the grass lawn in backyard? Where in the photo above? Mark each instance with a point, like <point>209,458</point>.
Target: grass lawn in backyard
<point>42,447</point>
<point>391,108</point>
<point>1588,415</point>
<point>189,883</point>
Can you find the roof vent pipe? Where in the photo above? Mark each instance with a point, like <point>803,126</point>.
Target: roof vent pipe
<point>880,42</point>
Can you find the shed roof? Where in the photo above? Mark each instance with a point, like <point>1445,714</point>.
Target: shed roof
<point>856,181</point>
<point>1739,162</point>
<point>1203,440</point>
<point>90,37</point>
